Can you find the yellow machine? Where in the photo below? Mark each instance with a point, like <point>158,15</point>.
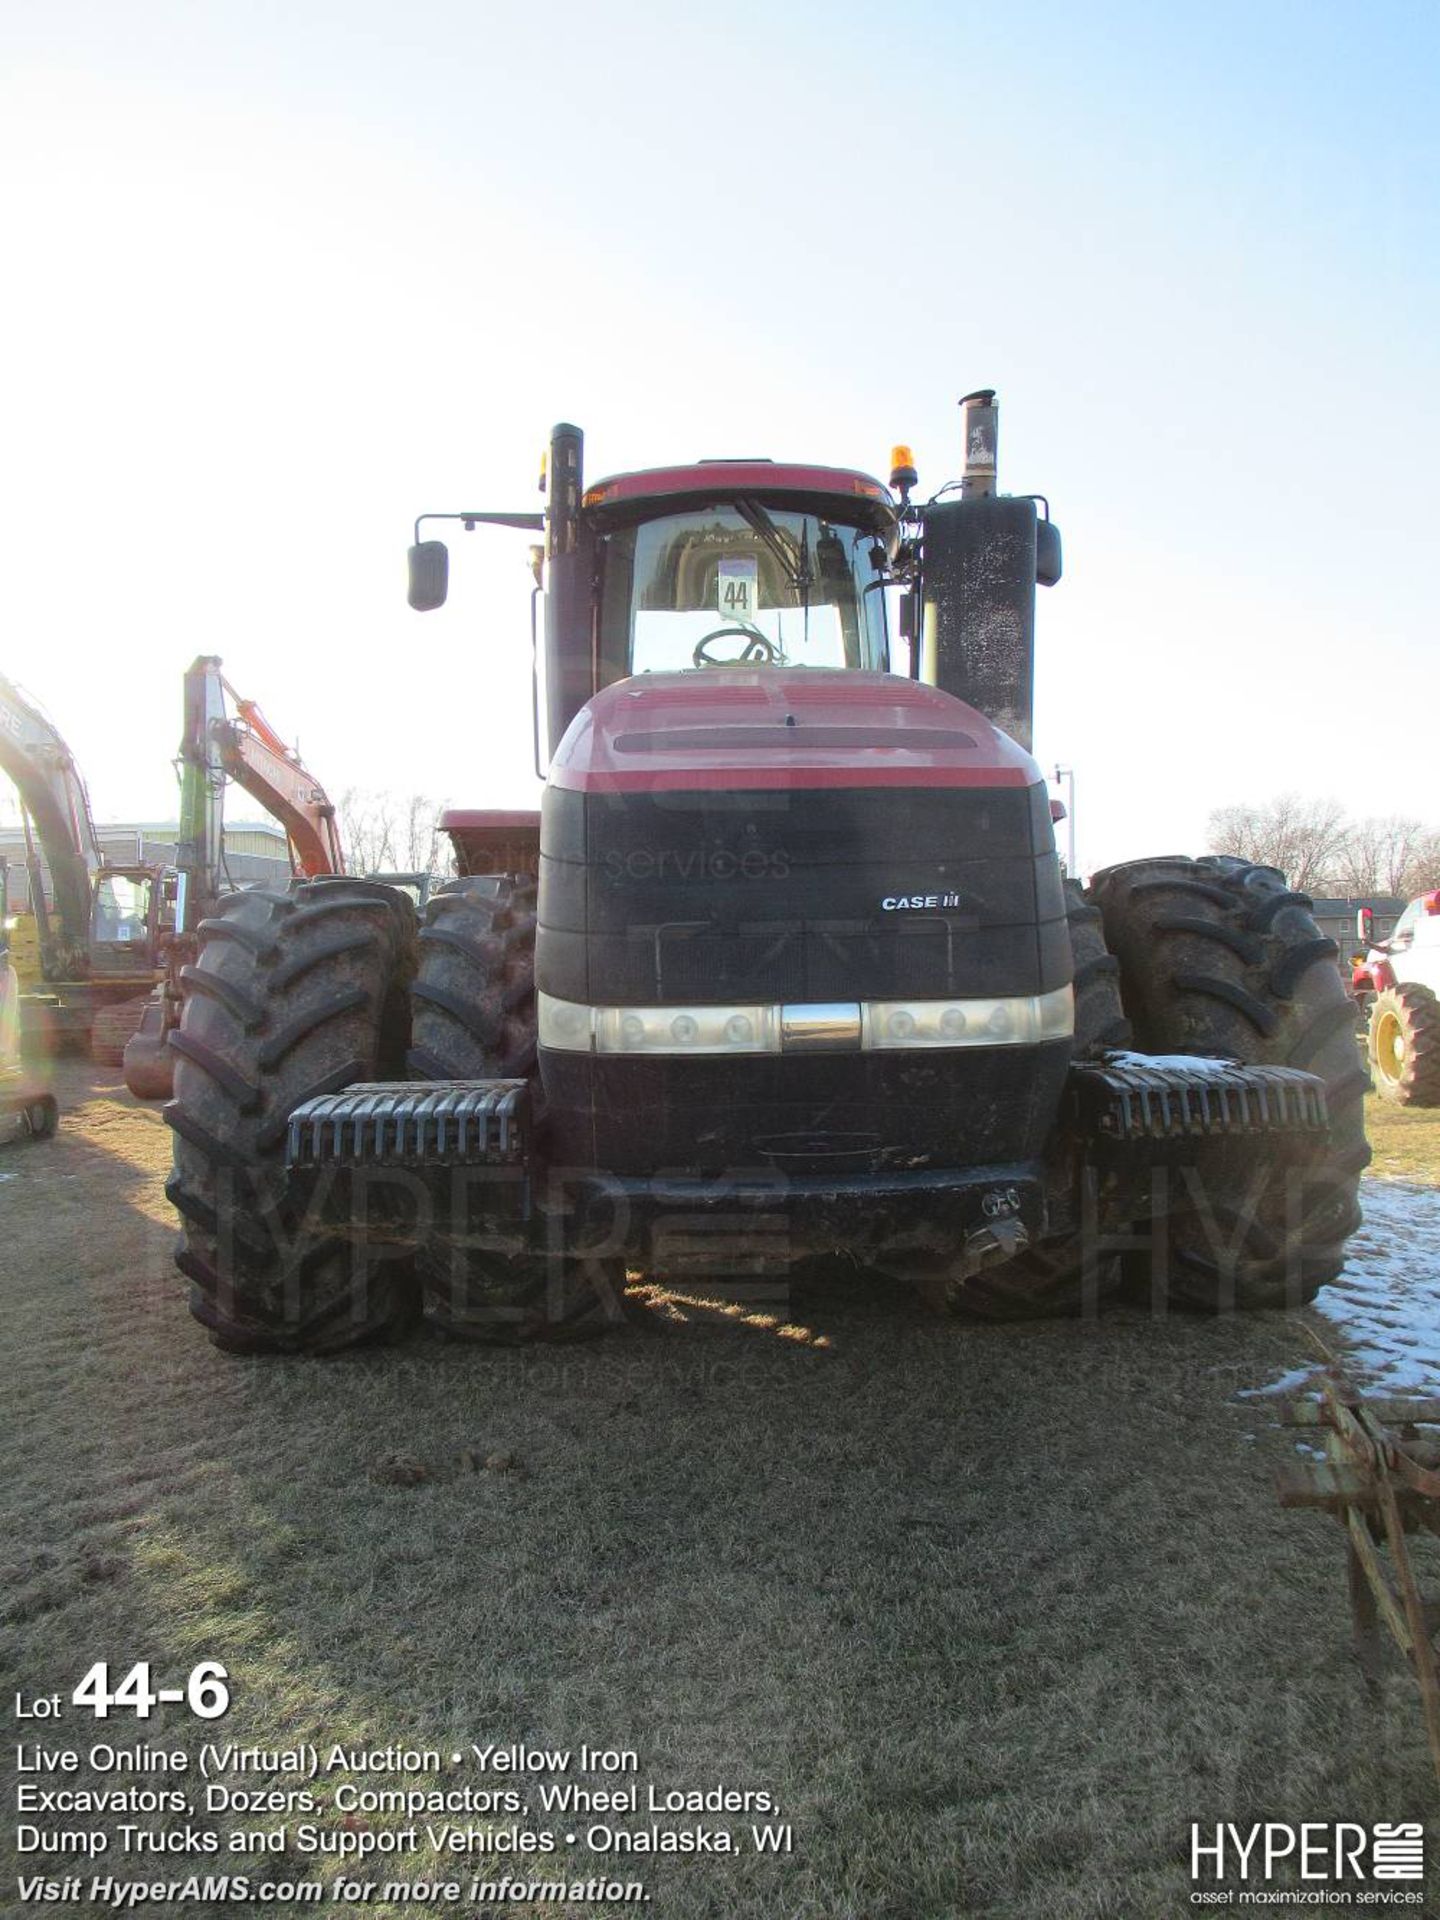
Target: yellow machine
<point>98,927</point>
<point>27,1109</point>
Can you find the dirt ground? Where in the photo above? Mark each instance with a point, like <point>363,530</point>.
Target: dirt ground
<point>994,1614</point>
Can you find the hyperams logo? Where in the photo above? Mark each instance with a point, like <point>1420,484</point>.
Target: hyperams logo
<point>1355,1864</point>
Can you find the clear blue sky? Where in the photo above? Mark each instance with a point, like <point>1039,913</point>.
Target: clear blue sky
<point>282,276</point>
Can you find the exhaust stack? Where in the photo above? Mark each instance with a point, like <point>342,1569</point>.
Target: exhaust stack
<point>569,573</point>
<point>980,420</point>
<point>981,557</point>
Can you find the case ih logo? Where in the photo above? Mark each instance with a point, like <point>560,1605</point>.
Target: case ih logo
<point>918,902</point>
<point>1315,1850</point>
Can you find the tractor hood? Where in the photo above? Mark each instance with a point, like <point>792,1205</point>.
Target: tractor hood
<point>698,855</point>
<point>759,728</point>
<point>772,843</point>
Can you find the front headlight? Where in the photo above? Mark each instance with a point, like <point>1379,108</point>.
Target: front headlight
<point>868,1026</point>
<point>1006,1021</point>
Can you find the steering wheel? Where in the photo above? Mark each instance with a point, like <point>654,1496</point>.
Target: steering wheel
<point>758,648</point>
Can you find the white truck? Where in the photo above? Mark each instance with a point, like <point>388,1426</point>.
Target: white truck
<point>1403,974</point>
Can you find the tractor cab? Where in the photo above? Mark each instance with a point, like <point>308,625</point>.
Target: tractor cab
<point>739,563</point>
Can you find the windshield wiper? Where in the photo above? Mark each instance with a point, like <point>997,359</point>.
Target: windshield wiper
<point>797,566</point>
<point>796,562</point>
<point>803,578</point>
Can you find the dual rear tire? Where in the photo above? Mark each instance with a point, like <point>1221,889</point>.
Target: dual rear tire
<point>303,992</point>
<point>1222,958</point>
<point>294,994</point>
<point>1218,958</point>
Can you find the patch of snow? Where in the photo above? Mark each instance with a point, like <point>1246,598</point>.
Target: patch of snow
<point>1385,1306</point>
<point>1167,1062</point>
<point>1292,1382</point>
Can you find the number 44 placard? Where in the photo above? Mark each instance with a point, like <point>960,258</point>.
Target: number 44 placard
<point>740,587</point>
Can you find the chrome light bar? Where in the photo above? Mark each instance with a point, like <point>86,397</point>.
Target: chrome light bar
<point>854,1026</point>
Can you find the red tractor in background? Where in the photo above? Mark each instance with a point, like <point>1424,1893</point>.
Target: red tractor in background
<point>1397,980</point>
<point>788,940</point>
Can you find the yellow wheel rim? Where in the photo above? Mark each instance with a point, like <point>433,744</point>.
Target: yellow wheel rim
<point>1389,1046</point>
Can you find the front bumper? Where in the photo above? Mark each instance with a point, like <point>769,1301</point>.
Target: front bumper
<point>458,1164</point>
<point>774,1218</point>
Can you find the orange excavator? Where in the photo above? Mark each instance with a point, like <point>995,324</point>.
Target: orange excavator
<point>225,738</point>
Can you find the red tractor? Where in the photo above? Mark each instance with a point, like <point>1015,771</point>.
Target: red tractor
<point>785,965</point>
<point>1397,980</point>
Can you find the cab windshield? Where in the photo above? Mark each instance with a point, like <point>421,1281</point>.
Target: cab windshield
<point>741,584</point>
<point>122,908</point>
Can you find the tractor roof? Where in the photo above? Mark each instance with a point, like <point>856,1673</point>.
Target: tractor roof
<point>837,491</point>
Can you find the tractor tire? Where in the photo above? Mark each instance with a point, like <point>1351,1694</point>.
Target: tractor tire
<point>113,1028</point>
<point>1051,1278</point>
<point>294,994</point>
<point>1223,959</point>
<point>1404,1045</point>
<point>473,1018</point>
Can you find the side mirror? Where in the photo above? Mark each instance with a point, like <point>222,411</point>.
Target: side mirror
<point>1048,558</point>
<point>429,575</point>
<point>1365,926</point>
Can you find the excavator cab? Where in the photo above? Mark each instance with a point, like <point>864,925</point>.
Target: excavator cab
<point>131,908</point>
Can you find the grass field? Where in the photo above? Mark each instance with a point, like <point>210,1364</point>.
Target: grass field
<point>1405,1140</point>
<point>993,1613</point>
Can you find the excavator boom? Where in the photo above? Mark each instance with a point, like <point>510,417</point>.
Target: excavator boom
<point>228,738</point>
<point>225,738</point>
<point>53,796</point>
<point>254,759</point>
